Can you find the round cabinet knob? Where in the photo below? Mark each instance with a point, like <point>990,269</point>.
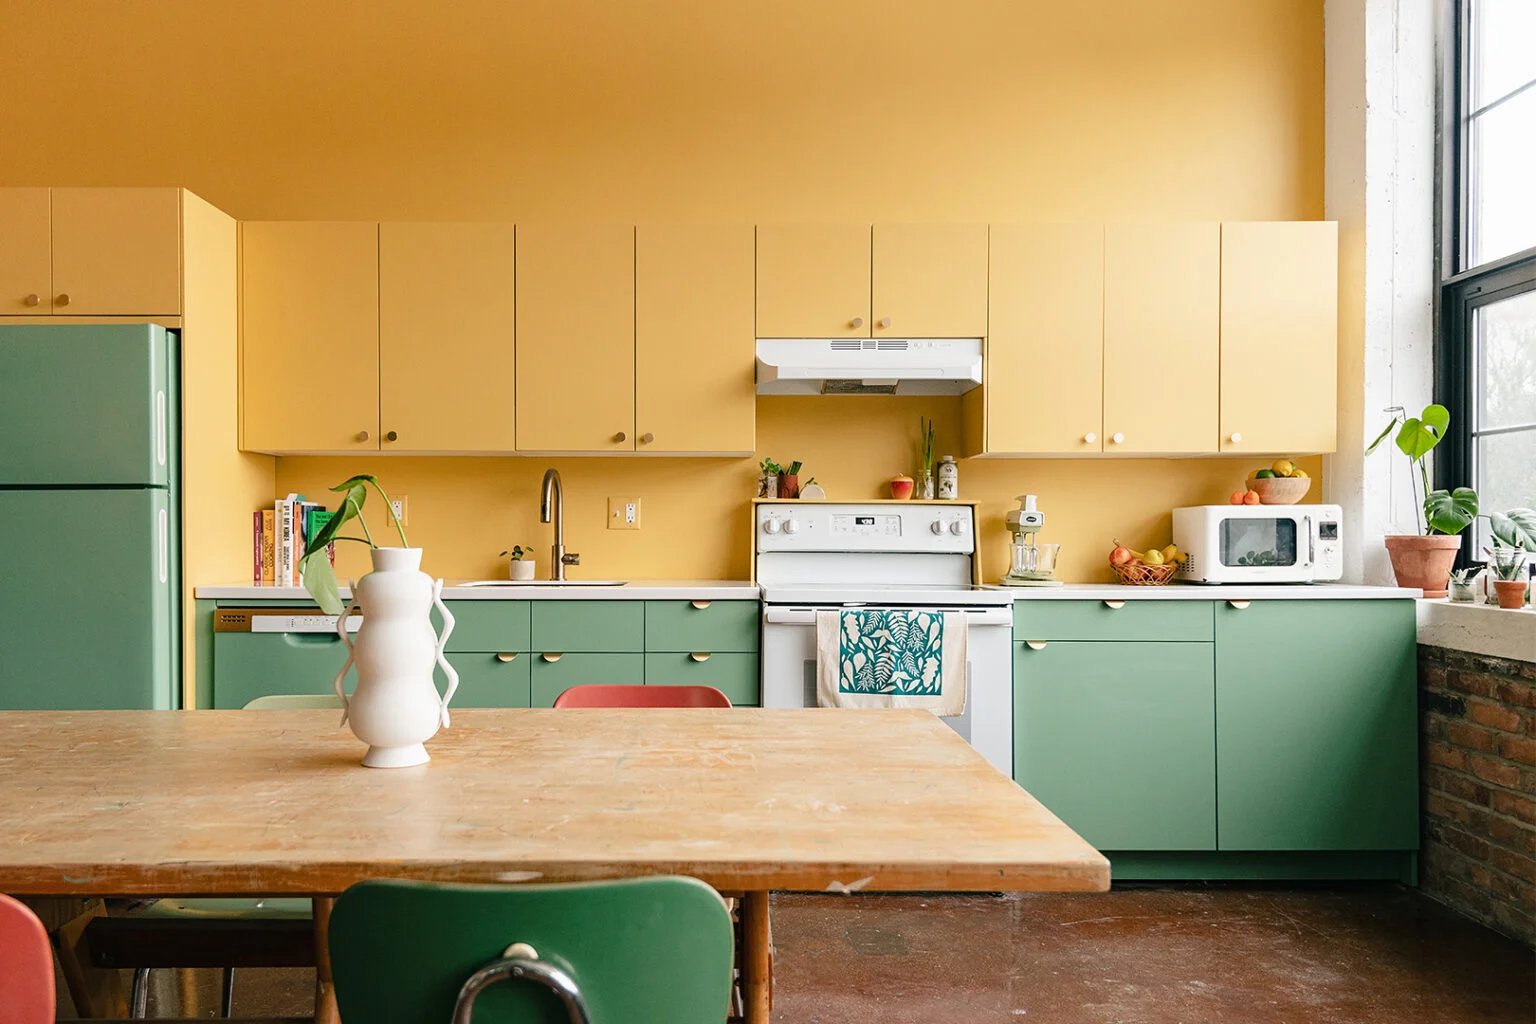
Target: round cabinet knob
<point>32,300</point>
<point>362,435</point>
<point>620,436</point>
<point>770,526</point>
<point>856,322</point>
<point>391,436</point>
<point>1090,438</point>
<point>63,299</point>
<point>955,527</point>
<point>647,438</point>
<point>885,322</point>
<point>1118,439</point>
<point>791,526</point>
<point>1236,438</point>
<point>938,526</point>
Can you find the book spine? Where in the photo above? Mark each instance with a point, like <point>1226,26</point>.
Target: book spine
<point>285,543</point>
<point>268,572</point>
<point>256,546</point>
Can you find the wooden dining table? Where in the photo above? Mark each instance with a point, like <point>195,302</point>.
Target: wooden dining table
<point>226,803</point>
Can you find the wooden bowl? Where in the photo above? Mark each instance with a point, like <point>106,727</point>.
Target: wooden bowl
<point>1280,490</point>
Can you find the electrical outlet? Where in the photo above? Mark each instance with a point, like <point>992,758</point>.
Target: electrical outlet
<point>623,513</point>
<point>402,509</point>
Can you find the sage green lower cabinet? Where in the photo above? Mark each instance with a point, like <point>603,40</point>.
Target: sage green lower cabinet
<point>734,675</point>
<point>1317,725</point>
<point>501,680</point>
<point>488,626</point>
<point>701,625</point>
<point>1118,739</point>
<point>251,665</point>
<point>554,673</point>
<point>608,626</point>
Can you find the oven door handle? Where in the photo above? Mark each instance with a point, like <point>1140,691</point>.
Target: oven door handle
<point>807,616</point>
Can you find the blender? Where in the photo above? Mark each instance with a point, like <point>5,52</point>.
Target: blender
<point>1032,564</point>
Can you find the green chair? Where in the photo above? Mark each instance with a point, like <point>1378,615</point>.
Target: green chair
<point>638,951</point>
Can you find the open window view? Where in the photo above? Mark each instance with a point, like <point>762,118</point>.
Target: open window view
<point>793,513</point>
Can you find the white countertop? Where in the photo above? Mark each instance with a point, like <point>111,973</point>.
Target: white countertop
<point>634,590</point>
<point>1203,592</point>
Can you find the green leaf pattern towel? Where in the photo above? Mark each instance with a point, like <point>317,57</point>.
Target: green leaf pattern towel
<point>892,658</point>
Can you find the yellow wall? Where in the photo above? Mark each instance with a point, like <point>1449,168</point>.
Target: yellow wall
<point>861,110</point>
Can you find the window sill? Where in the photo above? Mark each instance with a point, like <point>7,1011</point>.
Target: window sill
<point>1478,629</point>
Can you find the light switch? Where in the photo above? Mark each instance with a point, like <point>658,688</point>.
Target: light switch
<point>623,513</point>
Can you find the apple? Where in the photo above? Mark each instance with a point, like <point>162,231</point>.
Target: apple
<point>1121,555</point>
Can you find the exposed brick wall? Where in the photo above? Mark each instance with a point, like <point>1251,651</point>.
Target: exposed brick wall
<point>1478,730</point>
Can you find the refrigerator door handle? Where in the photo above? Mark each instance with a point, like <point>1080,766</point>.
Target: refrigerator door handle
<point>165,556</point>
<point>160,438</point>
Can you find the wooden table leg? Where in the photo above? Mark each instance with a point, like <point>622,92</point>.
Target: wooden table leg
<point>756,958</point>
<point>325,989</point>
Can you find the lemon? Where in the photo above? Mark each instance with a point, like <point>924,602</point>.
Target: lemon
<point>1285,467</point>
<point>1300,474</point>
<point>1153,557</point>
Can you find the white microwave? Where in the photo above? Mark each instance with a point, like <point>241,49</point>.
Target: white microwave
<point>1259,543</point>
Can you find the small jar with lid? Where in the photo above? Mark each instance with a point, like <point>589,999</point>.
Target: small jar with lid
<point>949,478</point>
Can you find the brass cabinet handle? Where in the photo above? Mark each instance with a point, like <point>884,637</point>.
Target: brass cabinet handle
<point>1035,645</point>
<point>700,605</point>
<point>699,656</point>
<point>1116,605</point>
<point>506,656</point>
<point>551,658</point>
<point>63,299</point>
<point>362,435</point>
<point>647,438</point>
<point>391,436</point>
<point>1239,605</point>
<point>32,299</point>
<point>856,322</point>
<point>620,436</point>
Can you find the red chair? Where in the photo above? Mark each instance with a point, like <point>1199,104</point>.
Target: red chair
<point>599,695</point>
<point>26,966</point>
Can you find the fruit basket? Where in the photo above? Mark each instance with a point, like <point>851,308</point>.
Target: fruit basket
<point>1280,490</point>
<point>1140,574</point>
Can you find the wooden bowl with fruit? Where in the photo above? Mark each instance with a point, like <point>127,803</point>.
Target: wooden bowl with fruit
<point>1151,568</point>
<point>1280,484</point>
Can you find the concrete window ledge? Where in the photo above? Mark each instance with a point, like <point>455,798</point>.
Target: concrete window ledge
<point>1478,629</point>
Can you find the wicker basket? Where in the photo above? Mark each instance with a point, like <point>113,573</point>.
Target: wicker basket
<point>1140,574</point>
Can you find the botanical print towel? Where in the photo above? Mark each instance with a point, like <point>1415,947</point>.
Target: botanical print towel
<point>891,658</point>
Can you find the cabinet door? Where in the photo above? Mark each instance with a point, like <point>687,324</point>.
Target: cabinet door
<point>1162,298</point>
<point>575,338</point>
<point>929,280</point>
<point>609,626</point>
<point>500,680</point>
<point>553,674</point>
<point>309,309</point>
<point>734,675</point>
<point>26,276</point>
<point>694,388</point>
<point>251,665</point>
<point>1316,725</point>
<point>446,312</point>
<point>1118,740</point>
<point>813,281</point>
<point>1045,338</point>
<point>116,251</point>
<point>1279,337</point>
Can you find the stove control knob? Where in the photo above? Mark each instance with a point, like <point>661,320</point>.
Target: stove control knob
<point>938,526</point>
<point>791,526</point>
<point>955,527</point>
<point>770,526</point>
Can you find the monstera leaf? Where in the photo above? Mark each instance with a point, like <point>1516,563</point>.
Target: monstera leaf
<point>1450,511</point>
<point>1418,435</point>
<point>1515,528</point>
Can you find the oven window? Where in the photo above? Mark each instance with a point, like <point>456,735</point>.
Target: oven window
<point>1249,542</point>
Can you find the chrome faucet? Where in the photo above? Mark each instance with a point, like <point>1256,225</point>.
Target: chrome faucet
<point>552,505</point>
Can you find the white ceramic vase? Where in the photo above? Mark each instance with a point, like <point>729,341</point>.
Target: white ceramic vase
<point>395,707</point>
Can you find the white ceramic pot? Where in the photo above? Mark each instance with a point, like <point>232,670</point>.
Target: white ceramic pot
<point>395,707</point>
<point>521,569</point>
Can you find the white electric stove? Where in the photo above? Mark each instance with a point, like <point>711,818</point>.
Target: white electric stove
<point>921,555</point>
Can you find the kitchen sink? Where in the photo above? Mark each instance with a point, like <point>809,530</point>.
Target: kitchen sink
<point>541,583</point>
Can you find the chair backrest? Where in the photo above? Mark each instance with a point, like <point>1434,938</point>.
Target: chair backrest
<point>293,702</point>
<point>639,949</point>
<point>26,966</point>
<point>603,695</point>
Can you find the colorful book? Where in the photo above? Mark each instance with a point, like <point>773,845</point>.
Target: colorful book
<point>256,546</point>
<point>268,573</point>
<point>315,518</point>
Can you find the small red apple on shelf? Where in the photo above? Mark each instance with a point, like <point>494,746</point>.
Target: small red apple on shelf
<point>1121,555</point>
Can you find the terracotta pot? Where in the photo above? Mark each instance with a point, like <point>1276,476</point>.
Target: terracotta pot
<point>1423,563</point>
<point>1511,593</point>
<point>789,486</point>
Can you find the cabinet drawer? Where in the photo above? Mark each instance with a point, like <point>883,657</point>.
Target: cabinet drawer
<point>486,681</point>
<point>701,625</point>
<point>562,626</point>
<point>251,665</point>
<point>734,675</point>
<point>551,678</point>
<point>1134,619</point>
<point>489,626</point>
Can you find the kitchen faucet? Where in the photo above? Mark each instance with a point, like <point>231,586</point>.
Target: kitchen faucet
<point>552,502</point>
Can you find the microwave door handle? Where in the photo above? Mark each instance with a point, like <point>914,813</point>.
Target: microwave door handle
<point>1311,540</point>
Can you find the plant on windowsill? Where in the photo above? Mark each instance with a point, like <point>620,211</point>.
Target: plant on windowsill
<point>1423,561</point>
<point>1507,564</point>
<point>1462,583</point>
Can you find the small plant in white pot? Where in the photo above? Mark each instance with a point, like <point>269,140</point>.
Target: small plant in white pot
<point>1423,561</point>
<point>520,564</point>
<point>395,707</point>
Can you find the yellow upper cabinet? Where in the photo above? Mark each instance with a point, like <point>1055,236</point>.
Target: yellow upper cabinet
<point>1279,337</point>
<point>116,251</point>
<point>446,353</point>
<point>813,281</point>
<point>1045,339</point>
<point>1162,300</point>
<point>694,390</point>
<point>309,312</point>
<point>929,280</point>
<point>575,338</point>
<point>26,276</point>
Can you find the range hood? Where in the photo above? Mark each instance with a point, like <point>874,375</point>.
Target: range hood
<point>868,366</point>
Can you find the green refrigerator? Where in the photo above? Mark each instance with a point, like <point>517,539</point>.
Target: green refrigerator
<point>89,530</point>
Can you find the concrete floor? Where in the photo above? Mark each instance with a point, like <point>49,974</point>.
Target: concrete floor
<point>1154,955</point>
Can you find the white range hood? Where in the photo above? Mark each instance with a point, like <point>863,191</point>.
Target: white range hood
<point>868,366</point>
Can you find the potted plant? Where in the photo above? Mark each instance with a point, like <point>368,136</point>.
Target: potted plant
<point>768,479</point>
<point>1423,561</point>
<point>1507,564</point>
<point>1463,582</point>
<point>520,565</point>
<point>925,457</point>
<point>395,707</point>
<point>789,481</point>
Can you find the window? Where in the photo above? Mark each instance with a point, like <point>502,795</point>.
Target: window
<point>1487,351</point>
